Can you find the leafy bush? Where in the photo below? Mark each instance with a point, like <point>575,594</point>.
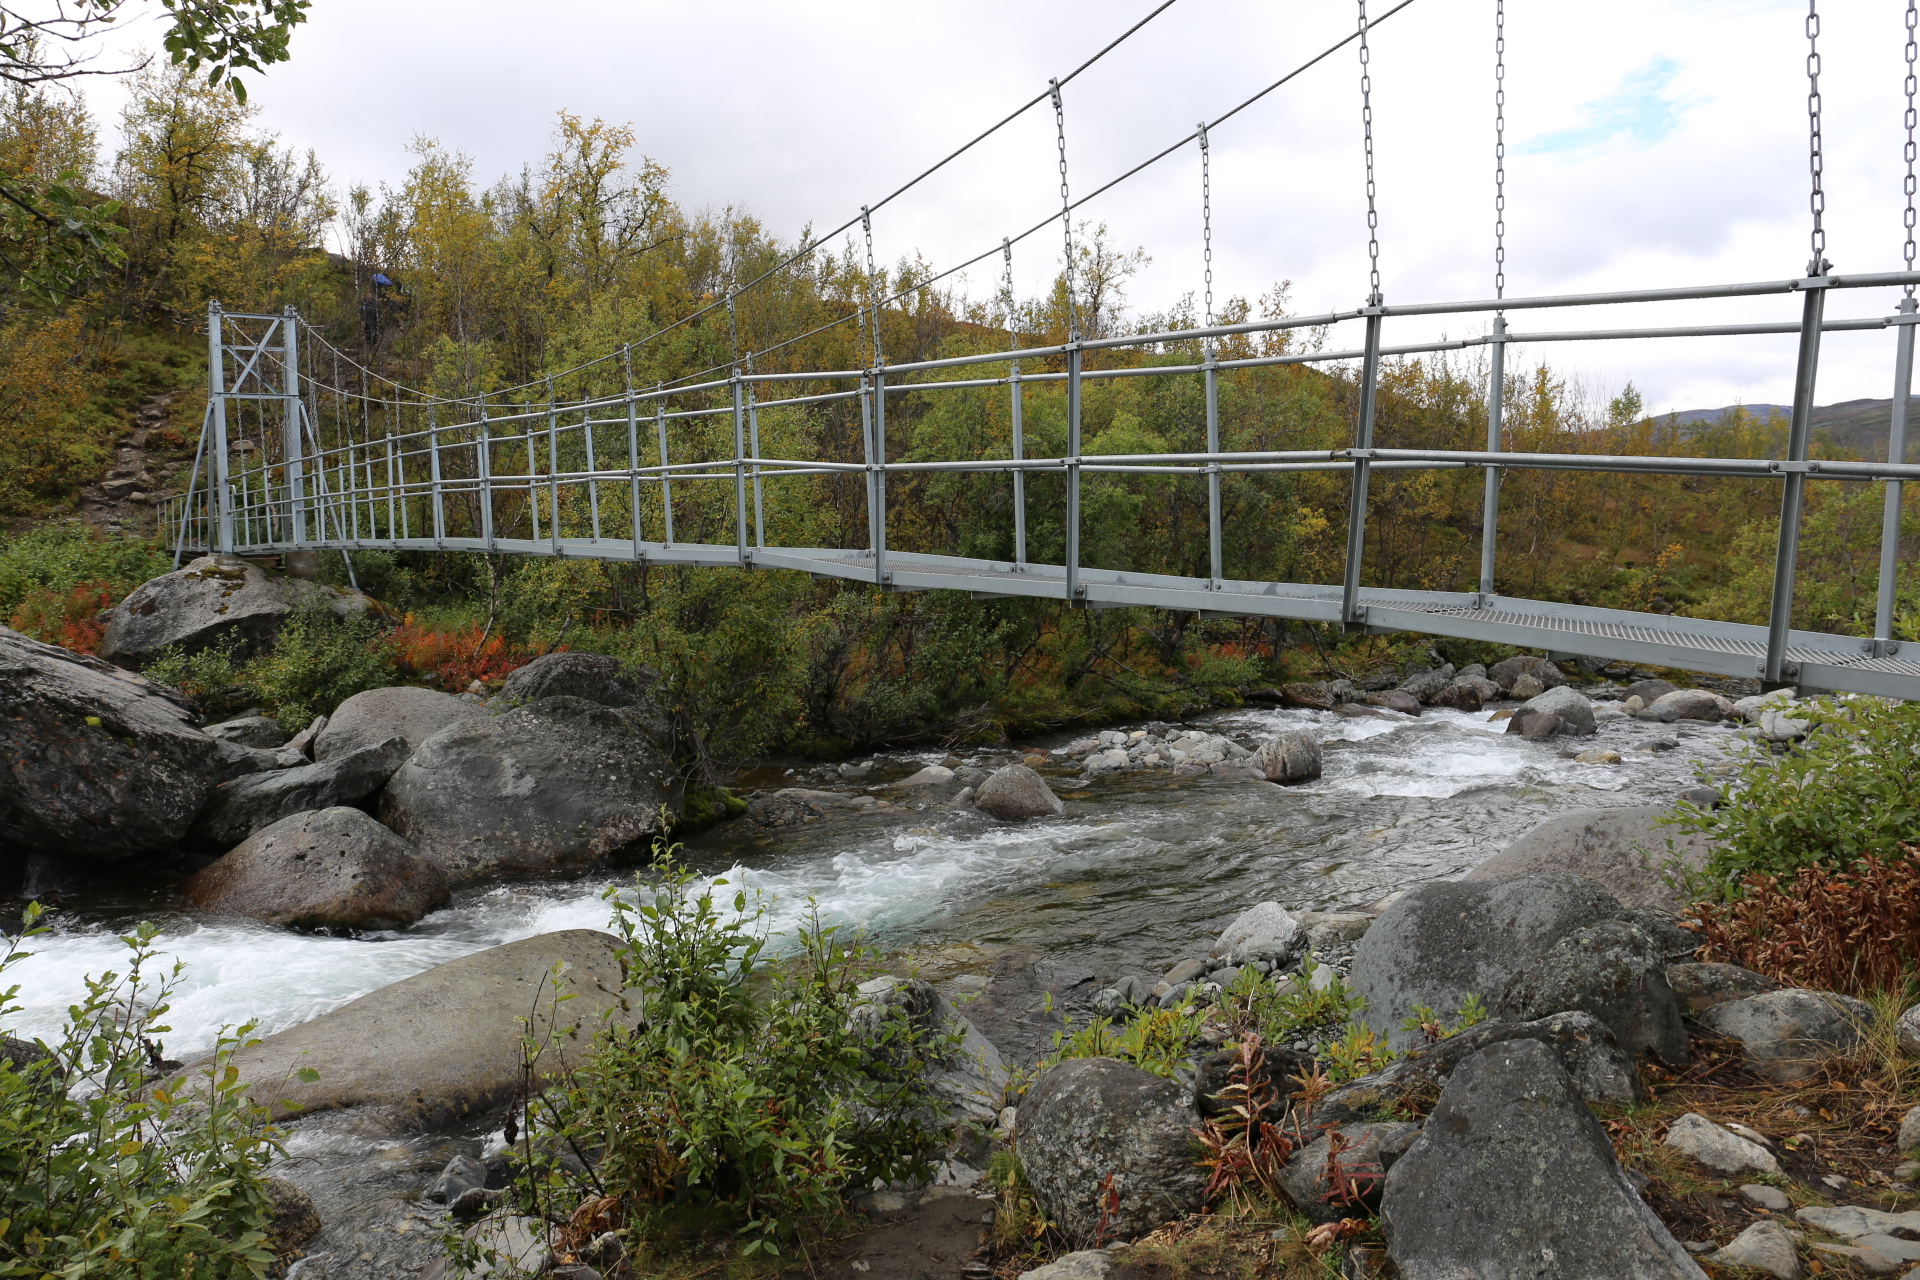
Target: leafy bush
<point>318,662</point>
<point>1850,789</point>
<point>1846,929</point>
<point>750,1096</point>
<point>68,618</point>
<point>103,1174</point>
<point>197,674</point>
<point>454,657</point>
<point>60,555</point>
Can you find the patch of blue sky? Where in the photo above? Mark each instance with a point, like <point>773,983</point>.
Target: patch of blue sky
<point>1641,113</point>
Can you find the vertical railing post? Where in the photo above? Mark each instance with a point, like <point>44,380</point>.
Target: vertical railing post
<point>553,473</point>
<point>1074,590</point>
<point>633,460</point>
<point>1490,505</point>
<point>866,456</point>
<point>533,490</point>
<point>880,574</point>
<point>1019,475</point>
<point>753,444</point>
<point>433,474</point>
<point>1776,670</point>
<point>217,417</point>
<point>1884,644</point>
<point>1215,580</point>
<point>1352,616</point>
<point>593,469</point>
<point>739,468</point>
<point>484,465</point>
<point>293,452</point>
<point>666,481</point>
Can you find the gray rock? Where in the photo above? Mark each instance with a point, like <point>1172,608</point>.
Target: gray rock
<point>1909,1139</point>
<point>1907,1031</point>
<point>1717,1148</point>
<point>1472,671</point>
<point>1088,1119</point>
<point>292,1219</point>
<point>1615,972</point>
<point>326,869</point>
<point>1628,850</point>
<point>1444,942</point>
<point>970,1078</point>
<point>1331,928</point>
<point>592,676</point>
<point>1572,707</point>
<point>1185,971</point>
<point>215,600</point>
<point>1686,704</point>
<point>1586,1049</point>
<point>1648,691</point>
<point>1537,726</point>
<point>1367,1152</point>
<point>1464,695</point>
<point>303,740</point>
<point>1701,986</point>
<point>1261,931</point>
<point>1213,1073</point>
<point>1505,673</point>
<point>1855,1223</point>
<point>250,731</point>
<point>1764,1246</point>
<point>1512,1177</point>
<point>557,783</point>
<point>1527,685</point>
<point>1086,1264</point>
<point>239,808</point>
<point>462,1174</point>
<point>1425,684</point>
<point>1015,793</point>
<point>94,759</point>
<point>1290,757</point>
<point>442,1046</point>
<point>1776,727</point>
<point>1395,700</point>
<point>1315,697</point>
<point>1786,1035</point>
<point>1772,1199</point>
<point>376,715</point>
<point>932,775</point>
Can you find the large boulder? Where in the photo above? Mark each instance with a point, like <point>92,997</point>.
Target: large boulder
<point>592,676</point>
<point>1293,756</point>
<point>556,783</point>
<point>1506,672</point>
<point>1613,971</point>
<point>1264,931</point>
<point>1688,704</point>
<point>1088,1120</point>
<point>260,732</point>
<point>1444,942</point>
<point>1572,707</point>
<point>1629,850</point>
<point>95,760</point>
<point>1463,695</point>
<point>1786,1035</point>
<point>215,600</point>
<point>1513,1178</point>
<point>1314,697</point>
<point>372,717</point>
<point>1423,685</point>
<point>444,1045</point>
<point>330,868</point>
<point>1699,986</point>
<point>969,1077</point>
<point>1015,792</point>
<point>239,808</point>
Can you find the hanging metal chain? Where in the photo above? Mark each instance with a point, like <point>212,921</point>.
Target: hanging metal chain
<point>1006,251</point>
<point>1499,148</point>
<point>873,308</point>
<point>1366,124</point>
<point>1911,120</point>
<point>1066,212</point>
<point>1206,222</point>
<point>1816,160</point>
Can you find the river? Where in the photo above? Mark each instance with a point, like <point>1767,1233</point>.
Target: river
<point>1141,867</point>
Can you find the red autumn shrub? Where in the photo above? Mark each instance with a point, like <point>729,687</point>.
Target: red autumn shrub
<point>454,658</point>
<point>64,617</point>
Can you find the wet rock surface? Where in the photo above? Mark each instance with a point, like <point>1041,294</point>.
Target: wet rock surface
<point>1014,793</point>
<point>332,868</point>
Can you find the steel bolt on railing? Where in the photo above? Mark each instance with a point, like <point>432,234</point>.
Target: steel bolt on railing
<point>325,479</point>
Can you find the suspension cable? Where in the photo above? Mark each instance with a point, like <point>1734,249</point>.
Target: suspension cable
<point>1816,160</point>
<point>1206,225</point>
<point>1499,148</point>
<point>1066,213</point>
<point>1911,119</point>
<point>1013,336</point>
<point>1366,125</point>
<point>873,308</point>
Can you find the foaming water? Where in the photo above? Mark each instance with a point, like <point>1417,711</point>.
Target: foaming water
<point>1141,866</point>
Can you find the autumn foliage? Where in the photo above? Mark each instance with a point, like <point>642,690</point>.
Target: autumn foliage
<point>453,658</point>
<point>65,618</point>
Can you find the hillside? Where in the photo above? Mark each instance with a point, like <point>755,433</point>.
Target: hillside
<point>1856,426</point>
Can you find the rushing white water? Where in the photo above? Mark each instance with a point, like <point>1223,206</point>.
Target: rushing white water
<point>1140,865</point>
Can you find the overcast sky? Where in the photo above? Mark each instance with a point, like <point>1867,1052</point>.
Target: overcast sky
<point>1650,142</point>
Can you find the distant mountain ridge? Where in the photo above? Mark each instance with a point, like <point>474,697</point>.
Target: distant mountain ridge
<point>1859,426</point>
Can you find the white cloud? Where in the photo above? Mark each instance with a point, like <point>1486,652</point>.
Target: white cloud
<point>1651,141</point>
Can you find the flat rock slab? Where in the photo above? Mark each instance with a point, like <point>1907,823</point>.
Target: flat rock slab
<point>369,718</point>
<point>1624,849</point>
<point>1513,1178</point>
<point>443,1045</point>
<point>1717,1148</point>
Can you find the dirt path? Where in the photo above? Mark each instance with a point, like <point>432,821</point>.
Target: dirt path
<point>123,502</point>
<point>936,1241</point>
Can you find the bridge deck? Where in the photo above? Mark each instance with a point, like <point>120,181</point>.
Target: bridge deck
<point>1816,660</point>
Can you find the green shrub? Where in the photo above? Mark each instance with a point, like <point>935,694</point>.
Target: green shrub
<point>1851,788</point>
<point>195,674</point>
<point>318,662</point>
<point>752,1095</point>
<point>59,555</point>
<point>110,1170</point>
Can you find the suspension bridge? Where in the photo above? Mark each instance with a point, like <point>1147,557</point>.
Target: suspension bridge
<point>295,458</point>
